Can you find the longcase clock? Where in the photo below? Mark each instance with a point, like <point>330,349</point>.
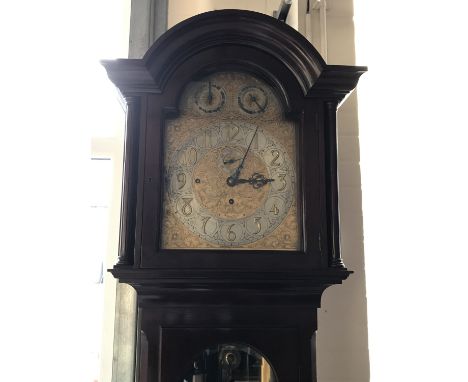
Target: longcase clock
<point>230,223</point>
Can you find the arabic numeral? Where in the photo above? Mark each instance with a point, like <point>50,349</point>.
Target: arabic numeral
<point>258,225</point>
<point>181,178</point>
<point>231,235</point>
<point>274,209</point>
<point>186,207</point>
<point>190,156</point>
<point>230,132</point>
<point>276,155</point>
<point>233,132</point>
<point>208,138</point>
<point>282,181</point>
<point>255,142</point>
<point>205,220</point>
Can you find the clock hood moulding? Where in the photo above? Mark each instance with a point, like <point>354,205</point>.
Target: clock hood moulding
<point>232,28</point>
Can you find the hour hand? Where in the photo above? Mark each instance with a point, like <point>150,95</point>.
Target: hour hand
<point>234,178</point>
<point>233,181</point>
<point>258,180</point>
<point>230,161</point>
<point>254,100</point>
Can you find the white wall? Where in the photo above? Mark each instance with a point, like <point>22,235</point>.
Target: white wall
<point>180,10</point>
<point>55,96</point>
<point>413,131</point>
<point>343,354</point>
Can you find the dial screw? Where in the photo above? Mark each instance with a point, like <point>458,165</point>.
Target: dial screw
<point>231,201</point>
<point>197,180</point>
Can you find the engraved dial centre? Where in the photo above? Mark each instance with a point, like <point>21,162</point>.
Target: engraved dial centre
<point>214,194</point>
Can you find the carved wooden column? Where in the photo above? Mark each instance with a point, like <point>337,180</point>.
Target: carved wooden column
<point>332,184</point>
<point>148,21</point>
<point>130,175</point>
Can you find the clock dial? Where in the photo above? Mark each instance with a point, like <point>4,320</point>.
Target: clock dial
<point>210,97</point>
<point>253,99</point>
<point>243,211</point>
<point>230,180</point>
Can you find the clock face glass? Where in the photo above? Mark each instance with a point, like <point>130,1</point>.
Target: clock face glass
<point>230,168</point>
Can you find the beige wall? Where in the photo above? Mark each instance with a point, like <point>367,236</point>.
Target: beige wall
<point>180,10</point>
<point>342,335</point>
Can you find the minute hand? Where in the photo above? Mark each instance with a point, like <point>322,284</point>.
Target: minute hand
<point>245,155</point>
<point>232,180</point>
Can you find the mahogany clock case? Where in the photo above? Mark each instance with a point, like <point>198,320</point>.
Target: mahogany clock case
<point>193,299</point>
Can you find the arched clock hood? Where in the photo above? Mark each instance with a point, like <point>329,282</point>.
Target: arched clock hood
<point>229,38</point>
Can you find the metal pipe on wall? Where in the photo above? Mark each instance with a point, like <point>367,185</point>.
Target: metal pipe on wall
<point>321,7</point>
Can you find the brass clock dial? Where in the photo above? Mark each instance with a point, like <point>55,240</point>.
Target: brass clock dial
<point>223,209</point>
<point>253,99</point>
<point>230,178</point>
<point>210,97</point>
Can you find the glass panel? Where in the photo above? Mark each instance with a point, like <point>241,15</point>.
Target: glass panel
<point>231,363</point>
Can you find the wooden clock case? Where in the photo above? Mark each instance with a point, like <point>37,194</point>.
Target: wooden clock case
<point>190,300</point>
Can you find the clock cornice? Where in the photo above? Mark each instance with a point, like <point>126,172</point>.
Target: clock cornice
<point>228,29</point>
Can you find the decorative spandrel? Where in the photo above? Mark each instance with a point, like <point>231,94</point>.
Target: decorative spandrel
<point>230,363</point>
<point>230,168</point>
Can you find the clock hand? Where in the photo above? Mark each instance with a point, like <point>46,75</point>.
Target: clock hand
<point>240,181</point>
<point>210,93</point>
<point>254,99</point>
<point>229,161</point>
<point>232,180</point>
<point>258,180</point>
<point>246,152</point>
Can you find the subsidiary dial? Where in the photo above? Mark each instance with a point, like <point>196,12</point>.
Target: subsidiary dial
<point>210,98</point>
<point>253,100</point>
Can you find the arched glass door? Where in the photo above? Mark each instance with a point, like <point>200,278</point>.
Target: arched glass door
<point>230,363</point>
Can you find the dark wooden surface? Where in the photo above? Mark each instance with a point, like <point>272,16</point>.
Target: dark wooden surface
<point>175,335</point>
<point>129,184</point>
<point>190,300</point>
